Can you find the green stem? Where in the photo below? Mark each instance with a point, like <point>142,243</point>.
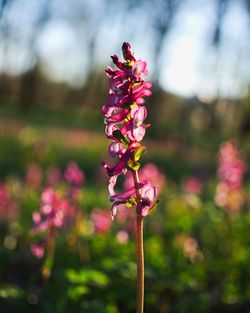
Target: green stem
<point>139,251</point>
<point>46,271</point>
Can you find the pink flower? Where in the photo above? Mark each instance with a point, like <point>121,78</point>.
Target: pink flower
<point>124,119</point>
<point>122,237</point>
<point>101,221</point>
<point>52,213</point>
<point>37,250</point>
<point>148,195</point>
<point>74,175</point>
<point>192,185</point>
<point>231,169</point>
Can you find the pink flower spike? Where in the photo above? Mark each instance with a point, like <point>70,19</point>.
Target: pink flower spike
<point>124,119</point>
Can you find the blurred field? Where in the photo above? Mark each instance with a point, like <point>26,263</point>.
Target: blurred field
<point>196,253</point>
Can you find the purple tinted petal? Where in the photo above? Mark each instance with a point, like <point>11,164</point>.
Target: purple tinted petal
<point>116,149</point>
<point>119,117</point>
<point>123,196</point>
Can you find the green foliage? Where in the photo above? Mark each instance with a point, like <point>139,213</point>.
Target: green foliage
<point>8,291</point>
<point>196,254</point>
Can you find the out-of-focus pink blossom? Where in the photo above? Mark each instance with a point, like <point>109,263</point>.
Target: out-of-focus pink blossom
<point>34,175</point>
<point>5,199</point>
<point>53,176</point>
<point>101,221</point>
<point>9,208</point>
<point>189,246</point>
<point>74,175</point>
<point>231,169</point>
<point>50,218</point>
<point>37,250</point>
<point>193,185</point>
<point>122,237</point>
<point>150,173</point>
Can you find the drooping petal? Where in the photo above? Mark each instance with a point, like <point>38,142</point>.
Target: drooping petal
<point>123,196</point>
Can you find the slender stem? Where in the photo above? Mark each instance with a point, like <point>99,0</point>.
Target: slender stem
<point>46,271</point>
<point>140,264</point>
<point>139,250</point>
<point>137,182</point>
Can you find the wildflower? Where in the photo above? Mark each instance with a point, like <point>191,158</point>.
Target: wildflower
<point>74,175</point>
<point>148,195</point>
<point>101,221</point>
<point>231,169</point>
<point>192,185</point>
<point>124,115</point>
<point>53,211</point>
<point>75,178</point>
<point>122,237</point>
<point>37,250</point>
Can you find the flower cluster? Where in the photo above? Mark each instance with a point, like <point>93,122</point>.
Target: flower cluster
<point>58,209</point>
<point>124,117</point>
<point>231,169</point>
<point>49,219</point>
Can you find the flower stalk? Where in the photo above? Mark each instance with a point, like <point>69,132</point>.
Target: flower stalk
<point>140,264</point>
<point>124,115</point>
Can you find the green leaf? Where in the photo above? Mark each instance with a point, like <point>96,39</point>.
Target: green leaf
<point>131,202</point>
<point>138,153</point>
<point>10,291</point>
<point>87,276</point>
<point>77,291</point>
<point>133,165</point>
